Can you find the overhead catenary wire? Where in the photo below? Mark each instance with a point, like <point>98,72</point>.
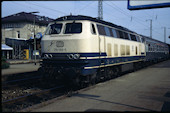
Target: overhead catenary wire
<point>61,12</point>
<point>23,5</point>
<point>129,16</point>
<point>138,17</point>
<point>87,5</point>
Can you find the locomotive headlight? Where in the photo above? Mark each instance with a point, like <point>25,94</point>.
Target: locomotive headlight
<point>76,56</point>
<point>70,56</point>
<point>73,56</point>
<point>45,56</point>
<point>48,56</point>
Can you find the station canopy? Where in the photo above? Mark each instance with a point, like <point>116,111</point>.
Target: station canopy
<point>6,47</point>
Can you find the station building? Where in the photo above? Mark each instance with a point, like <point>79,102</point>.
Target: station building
<point>17,32</point>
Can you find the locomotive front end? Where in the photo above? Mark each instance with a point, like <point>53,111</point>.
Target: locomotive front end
<point>62,46</point>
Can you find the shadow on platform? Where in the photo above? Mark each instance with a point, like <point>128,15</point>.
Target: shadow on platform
<point>95,97</point>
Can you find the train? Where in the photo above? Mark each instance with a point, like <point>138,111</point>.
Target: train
<point>85,50</point>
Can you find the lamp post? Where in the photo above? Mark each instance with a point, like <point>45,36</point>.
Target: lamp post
<point>169,35</point>
<point>150,27</point>
<point>165,33</point>
<point>34,38</point>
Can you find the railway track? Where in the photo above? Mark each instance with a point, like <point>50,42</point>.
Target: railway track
<point>21,98</point>
<point>16,82</point>
<point>20,91</point>
<point>30,96</point>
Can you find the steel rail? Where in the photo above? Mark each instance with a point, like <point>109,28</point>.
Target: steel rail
<point>21,79</point>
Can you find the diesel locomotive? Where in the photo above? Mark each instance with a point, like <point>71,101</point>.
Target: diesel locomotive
<point>82,49</point>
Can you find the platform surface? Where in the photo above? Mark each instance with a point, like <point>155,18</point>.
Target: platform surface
<point>20,68</point>
<point>147,89</point>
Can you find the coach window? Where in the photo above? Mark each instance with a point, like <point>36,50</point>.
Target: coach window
<point>157,48</point>
<point>93,29</point>
<point>149,46</point>
<point>101,30</point>
<point>161,49</point>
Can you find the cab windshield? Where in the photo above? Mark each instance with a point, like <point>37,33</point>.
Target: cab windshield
<point>54,29</point>
<point>71,28</point>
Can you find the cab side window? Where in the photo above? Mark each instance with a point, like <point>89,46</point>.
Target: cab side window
<point>101,30</point>
<point>133,37</point>
<point>114,33</point>
<point>107,31</point>
<point>121,34</point>
<point>93,29</point>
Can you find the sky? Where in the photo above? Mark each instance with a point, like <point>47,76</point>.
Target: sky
<point>114,11</point>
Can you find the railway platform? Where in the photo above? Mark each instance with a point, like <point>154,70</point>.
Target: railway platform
<point>20,66</point>
<point>17,61</point>
<point>147,89</point>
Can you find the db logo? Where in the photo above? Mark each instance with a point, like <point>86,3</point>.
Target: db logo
<point>60,44</point>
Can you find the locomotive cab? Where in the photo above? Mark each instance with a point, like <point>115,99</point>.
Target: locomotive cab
<point>70,37</point>
<point>65,47</point>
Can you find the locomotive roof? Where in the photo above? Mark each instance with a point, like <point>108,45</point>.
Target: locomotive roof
<point>81,17</point>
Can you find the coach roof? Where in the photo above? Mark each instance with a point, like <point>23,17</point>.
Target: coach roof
<point>81,17</point>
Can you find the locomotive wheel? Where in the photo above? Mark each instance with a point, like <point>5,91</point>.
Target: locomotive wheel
<point>98,76</point>
<point>77,81</point>
<point>136,66</point>
<point>116,72</point>
<point>109,73</point>
<point>93,79</point>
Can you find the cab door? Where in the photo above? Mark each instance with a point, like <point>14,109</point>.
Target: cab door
<point>102,50</point>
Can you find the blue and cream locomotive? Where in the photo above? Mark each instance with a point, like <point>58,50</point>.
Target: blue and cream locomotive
<point>85,49</point>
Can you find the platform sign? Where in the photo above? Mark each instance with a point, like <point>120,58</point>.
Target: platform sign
<point>147,4</point>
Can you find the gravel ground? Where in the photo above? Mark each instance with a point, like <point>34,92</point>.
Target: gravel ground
<point>25,89</point>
